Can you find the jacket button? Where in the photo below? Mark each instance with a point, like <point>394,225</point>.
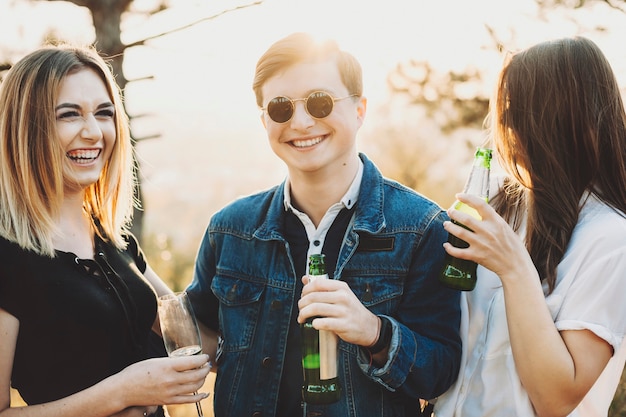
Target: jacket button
<point>367,296</point>
<point>276,305</point>
<point>232,293</point>
<point>266,362</point>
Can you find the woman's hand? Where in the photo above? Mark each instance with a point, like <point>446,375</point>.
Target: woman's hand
<point>164,380</point>
<point>136,412</point>
<point>492,242</point>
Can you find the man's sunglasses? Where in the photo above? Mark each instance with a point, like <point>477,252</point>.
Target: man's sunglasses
<point>318,104</point>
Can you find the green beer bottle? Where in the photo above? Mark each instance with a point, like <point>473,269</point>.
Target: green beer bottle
<point>319,352</point>
<point>460,274</point>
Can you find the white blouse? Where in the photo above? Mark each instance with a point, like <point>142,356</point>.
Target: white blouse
<point>590,294</point>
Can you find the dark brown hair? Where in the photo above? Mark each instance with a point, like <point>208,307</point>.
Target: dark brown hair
<point>559,127</point>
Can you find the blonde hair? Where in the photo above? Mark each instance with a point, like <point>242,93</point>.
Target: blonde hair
<point>303,47</point>
<point>31,157</point>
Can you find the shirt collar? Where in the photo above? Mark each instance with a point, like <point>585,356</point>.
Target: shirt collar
<point>348,200</point>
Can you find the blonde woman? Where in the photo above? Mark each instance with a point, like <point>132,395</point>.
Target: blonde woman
<point>77,297</point>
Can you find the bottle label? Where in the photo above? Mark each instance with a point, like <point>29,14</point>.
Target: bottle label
<point>328,342</point>
<point>328,355</point>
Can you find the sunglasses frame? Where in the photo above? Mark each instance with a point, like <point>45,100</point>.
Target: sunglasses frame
<point>306,102</point>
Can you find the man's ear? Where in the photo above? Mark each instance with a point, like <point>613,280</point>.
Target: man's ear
<point>361,109</point>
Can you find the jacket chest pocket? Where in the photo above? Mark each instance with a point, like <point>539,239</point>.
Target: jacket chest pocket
<point>380,294</point>
<point>239,310</point>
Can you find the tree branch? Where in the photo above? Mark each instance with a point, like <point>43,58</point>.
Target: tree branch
<point>616,6</point>
<point>147,137</point>
<point>187,26</point>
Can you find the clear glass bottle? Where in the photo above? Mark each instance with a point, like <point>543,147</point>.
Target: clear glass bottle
<point>460,274</point>
<point>319,352</point>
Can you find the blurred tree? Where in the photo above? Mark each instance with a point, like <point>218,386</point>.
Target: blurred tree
<point>454,99</point>
<point>107,18</point>
<point>451,108</point>
<point>457,102</point>
<point>616,4</point>
<point>419,156</point>
<point>451,98</point>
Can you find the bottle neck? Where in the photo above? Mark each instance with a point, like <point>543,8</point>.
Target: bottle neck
<point>478,181</point>
<point>317,266</point>
<point>314,277</point>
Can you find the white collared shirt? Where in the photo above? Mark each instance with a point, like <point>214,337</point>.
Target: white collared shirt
<point>589,294</point>
<point>317,235</point>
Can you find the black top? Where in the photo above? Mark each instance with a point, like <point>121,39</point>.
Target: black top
<point>80,320</point>
<point>290,395</point>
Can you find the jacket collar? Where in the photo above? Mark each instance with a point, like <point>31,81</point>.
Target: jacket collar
<point>368,217</point>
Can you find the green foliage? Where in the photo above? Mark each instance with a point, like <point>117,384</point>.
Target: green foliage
<point>618,407</point>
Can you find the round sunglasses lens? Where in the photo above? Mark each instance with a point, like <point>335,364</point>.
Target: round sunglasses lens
<point>319,104</point>
<point>280,109</point>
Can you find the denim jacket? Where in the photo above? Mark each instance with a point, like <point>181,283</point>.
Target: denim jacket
<point>244,287</point>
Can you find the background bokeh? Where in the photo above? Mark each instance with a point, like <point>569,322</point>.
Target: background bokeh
<point>429,67</point>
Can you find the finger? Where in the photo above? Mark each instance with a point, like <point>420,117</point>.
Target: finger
<point>311,286</point>
<point>460,229</point>
<point>478,203</point>
<point>188,398</point>
<point>199,373</point>
<point>324,323</point>
<point>456,252</point>
<point>184,363</point>
<point>307,286</point>
<point>317,293</point>
<point>306,311</point>
<point>321,285</point>
<point>471,199</point>
<point>318,304</point>
<point>192,376</point>
<point>189,387</point>
<point>461,233</point>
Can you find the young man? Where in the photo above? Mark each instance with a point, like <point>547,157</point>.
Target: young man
<point>397,326</point>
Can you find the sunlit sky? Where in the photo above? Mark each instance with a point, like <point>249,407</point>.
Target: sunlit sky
<point>212,145</point>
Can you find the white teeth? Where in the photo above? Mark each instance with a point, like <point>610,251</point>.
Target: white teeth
<point>307,142</point>
<point>83,155</point>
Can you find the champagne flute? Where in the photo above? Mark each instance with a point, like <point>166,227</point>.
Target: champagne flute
<point>179,328</point>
